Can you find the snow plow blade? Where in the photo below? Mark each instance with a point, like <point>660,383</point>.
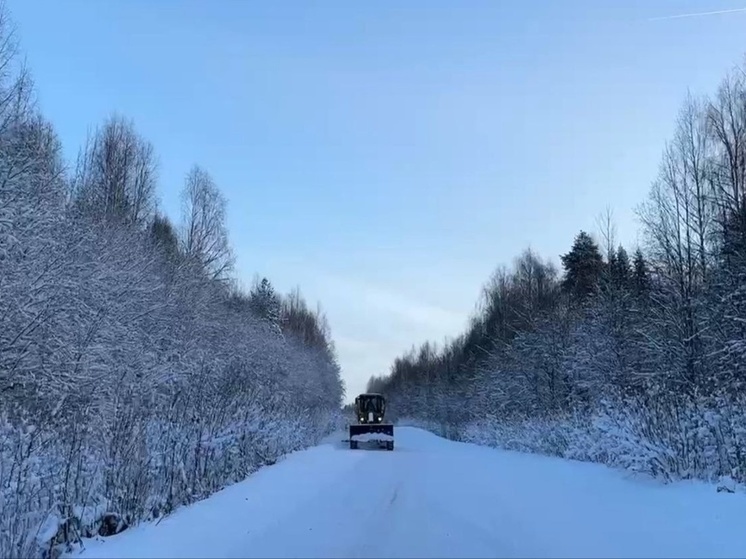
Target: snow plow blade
<point>380,433</point>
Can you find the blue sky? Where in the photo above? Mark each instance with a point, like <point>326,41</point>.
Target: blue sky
<point>387,156</point>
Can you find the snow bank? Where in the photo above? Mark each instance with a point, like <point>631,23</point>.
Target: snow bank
<point>369,437</point>
<point>669,438</point>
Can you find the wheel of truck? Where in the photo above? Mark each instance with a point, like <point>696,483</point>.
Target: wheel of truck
<point>353,444</point>
<point>390,445</point>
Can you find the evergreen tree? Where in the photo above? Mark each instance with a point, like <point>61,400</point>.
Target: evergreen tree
<point>583,267</point>
<point>621,272</point>
<point>640,274</point>
<point>264,302</point>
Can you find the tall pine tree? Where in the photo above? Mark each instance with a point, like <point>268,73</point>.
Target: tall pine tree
<point>264,302</point>
<point>583,268</point>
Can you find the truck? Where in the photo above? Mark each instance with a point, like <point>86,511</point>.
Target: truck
<point>369,425</point>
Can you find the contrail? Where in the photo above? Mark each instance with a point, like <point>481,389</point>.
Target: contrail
<point>699,14</point>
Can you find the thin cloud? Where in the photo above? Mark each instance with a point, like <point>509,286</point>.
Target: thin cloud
<point>698,14</point>
<point>374,323</point>
<point>395,305</point>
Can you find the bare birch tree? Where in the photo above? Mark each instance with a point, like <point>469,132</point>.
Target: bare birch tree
<point>116,174</point>
<point>205,235</point>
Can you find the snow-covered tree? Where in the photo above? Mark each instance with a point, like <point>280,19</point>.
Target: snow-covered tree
<point>264,302</point>
<point>134,377</point>
<point>116,174</point>
<point>205,236</point>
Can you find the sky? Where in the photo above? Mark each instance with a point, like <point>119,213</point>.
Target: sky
<point>386,157</point>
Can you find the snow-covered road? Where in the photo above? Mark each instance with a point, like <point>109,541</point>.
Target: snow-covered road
<point>436,498</point>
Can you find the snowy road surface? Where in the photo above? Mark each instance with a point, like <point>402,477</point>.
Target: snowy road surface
<point>436,498</point>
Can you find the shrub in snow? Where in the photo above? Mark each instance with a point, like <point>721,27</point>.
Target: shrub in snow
<point>726,484</point>
<point>668,438</point>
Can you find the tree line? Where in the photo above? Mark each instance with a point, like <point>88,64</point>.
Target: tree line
<point>136,375</point>
<point>633,358</point>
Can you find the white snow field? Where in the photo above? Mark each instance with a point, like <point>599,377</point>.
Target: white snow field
<point>436,498</point>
